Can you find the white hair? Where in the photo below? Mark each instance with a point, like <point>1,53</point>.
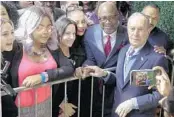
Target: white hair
<point>29,21</point>
<point>140,14</point>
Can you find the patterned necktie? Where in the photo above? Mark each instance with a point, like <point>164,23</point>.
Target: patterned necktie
<point>131,52</point>
<point>127,64</point>
<point>107,46</point>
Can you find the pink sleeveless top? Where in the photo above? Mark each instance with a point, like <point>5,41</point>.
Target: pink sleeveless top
<point>27,68</point>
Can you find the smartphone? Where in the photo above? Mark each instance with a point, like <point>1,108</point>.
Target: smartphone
<point>145,77</point>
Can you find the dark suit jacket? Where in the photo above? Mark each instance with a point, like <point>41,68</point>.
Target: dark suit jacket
<point>159,38</point>
<point>95,56</point>
<point>147,99</point>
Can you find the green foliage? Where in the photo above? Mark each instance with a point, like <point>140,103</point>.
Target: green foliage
<point>166,22</point>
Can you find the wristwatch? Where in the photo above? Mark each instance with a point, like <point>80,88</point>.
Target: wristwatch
<point>105,73</point>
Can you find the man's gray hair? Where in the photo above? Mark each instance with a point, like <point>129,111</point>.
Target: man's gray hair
<point>140,14</point>
<point>29,21</point>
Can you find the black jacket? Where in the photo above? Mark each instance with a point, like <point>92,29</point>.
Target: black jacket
<point>9,108</point>
<point>77,52</point>
<point>78,56</point>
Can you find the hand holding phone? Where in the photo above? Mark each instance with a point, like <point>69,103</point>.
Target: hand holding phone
<point>163,84</point>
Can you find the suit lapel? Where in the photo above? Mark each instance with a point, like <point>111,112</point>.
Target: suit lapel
<point>120,67</point>
<point>139,62</point>
<point>118,44</point>
<point>98,36</point>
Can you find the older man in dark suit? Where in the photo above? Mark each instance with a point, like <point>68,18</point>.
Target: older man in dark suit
<point>130,100</point>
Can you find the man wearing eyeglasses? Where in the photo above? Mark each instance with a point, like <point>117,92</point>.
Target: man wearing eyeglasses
<point>103,42</point>
<point>66,4</point>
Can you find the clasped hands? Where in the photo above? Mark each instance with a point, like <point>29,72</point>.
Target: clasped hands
<point>84,72</point>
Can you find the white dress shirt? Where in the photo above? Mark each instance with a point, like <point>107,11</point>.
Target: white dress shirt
<point>113,39</point>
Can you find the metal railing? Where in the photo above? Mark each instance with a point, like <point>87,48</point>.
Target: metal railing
<point>21,89</point>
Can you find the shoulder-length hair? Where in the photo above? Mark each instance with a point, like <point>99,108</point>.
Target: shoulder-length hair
<point>61,25</point>
<point>29,21</point>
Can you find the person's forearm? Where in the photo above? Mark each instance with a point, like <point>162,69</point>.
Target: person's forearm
<point>110,79</point>
<point>60,73</point>
<point>148,101</point>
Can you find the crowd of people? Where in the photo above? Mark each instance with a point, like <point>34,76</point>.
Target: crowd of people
<point>46,41</point>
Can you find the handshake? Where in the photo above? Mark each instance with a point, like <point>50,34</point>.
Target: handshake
<point>84,72</point>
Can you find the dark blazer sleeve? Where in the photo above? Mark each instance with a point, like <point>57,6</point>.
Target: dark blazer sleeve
<point>65,67</point>
<point>90,57</point>
<point>170,45</point>
<point>111,80</point>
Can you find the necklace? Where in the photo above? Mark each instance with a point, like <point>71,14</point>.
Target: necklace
<point>38,53</point>
<point>41,51</point>
<point>39,56</point>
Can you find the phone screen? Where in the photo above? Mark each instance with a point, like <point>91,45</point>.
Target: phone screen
<point>143,77</point>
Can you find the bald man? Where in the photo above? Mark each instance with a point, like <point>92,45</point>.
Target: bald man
<point>102,44</point>
<point>157,37</point>
<point>131,100</point>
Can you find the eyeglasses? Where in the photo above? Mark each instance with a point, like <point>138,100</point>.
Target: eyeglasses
<point>109,18</point>
<point>49,29</point>
<point>73,8</point>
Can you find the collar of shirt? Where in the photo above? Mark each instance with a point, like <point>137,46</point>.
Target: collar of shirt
<point>137,50</point>
<point>113,39</point>
<point>113,35</point>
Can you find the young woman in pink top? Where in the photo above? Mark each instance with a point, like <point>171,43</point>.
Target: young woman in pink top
<point>36,60</point>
